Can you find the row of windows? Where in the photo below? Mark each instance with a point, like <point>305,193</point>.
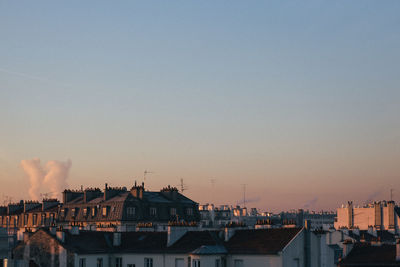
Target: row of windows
<point>148,262</point>
<point>15,220</point>
<point>130,211</point>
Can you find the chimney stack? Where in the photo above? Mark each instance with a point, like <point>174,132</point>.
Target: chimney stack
<point>347,247</point>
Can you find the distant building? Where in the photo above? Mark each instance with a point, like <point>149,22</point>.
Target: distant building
<point>380,215</point>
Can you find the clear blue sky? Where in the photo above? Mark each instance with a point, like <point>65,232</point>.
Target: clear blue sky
<point>297,99</point>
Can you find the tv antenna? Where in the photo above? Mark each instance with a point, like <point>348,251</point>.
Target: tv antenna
<point>391,194</point>
<point>244,195</point>
<point>183,186</point>
<point>145,173</point>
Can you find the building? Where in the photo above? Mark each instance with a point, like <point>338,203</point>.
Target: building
<point>180,246</point>
<point>383,215</point>
<point>92,208</point>
<point>376,255</point>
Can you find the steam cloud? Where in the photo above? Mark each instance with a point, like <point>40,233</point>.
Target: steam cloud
<point>311,203</point>
<point>54,176</point>
<point>36,174</point>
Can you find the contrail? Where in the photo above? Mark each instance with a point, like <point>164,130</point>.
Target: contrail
<point>33,77</point>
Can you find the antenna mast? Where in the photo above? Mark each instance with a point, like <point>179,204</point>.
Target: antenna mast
<point>145,173</point>
<point>183,186</point>
<point>244,195</point>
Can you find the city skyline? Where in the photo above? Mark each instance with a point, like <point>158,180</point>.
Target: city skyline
<point>299,101</point>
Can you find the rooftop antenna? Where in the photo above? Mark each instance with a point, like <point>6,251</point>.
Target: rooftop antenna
<point>145,173</point>
<point>244,195</point>
<point>183,186</point>
<point>391,194</point>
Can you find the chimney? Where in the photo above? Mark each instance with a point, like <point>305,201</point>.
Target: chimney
<point>350,214</point>
<point>69,195</point>
<point>91,193</point>
<point>49,203</point>
<point>170,193</point>
<point>347,247</point>
<point>110,192</point>
<point>176,232</point>
<point>29,205</point>
<point>60,235</point>
<point>398,249</point>
<point>137,191</point>
<point>228,233</point>
<point>116,239</point>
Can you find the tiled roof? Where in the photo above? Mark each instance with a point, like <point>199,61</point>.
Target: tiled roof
<point>91,242</point>
<point>193,240</point>
<point>372,256</point>
<point>262,241</point>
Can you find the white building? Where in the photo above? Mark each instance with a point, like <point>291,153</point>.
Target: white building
<point>180,246</point>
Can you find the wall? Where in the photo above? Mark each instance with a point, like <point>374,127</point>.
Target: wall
<point>294,252</point>
<point>255,260</point>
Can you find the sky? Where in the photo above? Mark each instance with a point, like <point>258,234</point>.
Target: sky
<point>298,100</point>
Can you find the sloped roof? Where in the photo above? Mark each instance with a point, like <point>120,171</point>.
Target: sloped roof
<point>372,256</point>
<point>209,250</point>
<point>193,240</point>
<point>262,241</point>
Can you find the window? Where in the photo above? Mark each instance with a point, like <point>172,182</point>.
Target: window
<point>94,211</point>
<point>82,262</point>
<point>43,218</point>
<point>105,209</point>
<point>73,212</point>
<point>238,263</point>
<point>189,211</point>
<point>217,263</point>
<point>51,218</point>
<point>172,211</point>
<point>179,262</point>
<point>148,262</point>
<point>99,262</point>
<point>131,265</point>
<point>34,221</point>
<point>153,211</point>
<point>130,211</point>
<point>196,263</point>
<point>86,211</point>
<point>118,262</point>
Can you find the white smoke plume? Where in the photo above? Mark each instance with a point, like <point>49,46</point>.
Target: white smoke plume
<point>56,177</point>
<point>36,174</point>
<point>53,176</point>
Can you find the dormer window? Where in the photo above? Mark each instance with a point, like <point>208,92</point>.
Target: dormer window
<point>43,218</point>
<point>86,211</point>
<point>105,211</point>
<point>130,211</point>
<point>94,210</point>
<point>74,212</point>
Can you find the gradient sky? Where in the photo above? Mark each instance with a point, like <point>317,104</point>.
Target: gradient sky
<point>300,100</point>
